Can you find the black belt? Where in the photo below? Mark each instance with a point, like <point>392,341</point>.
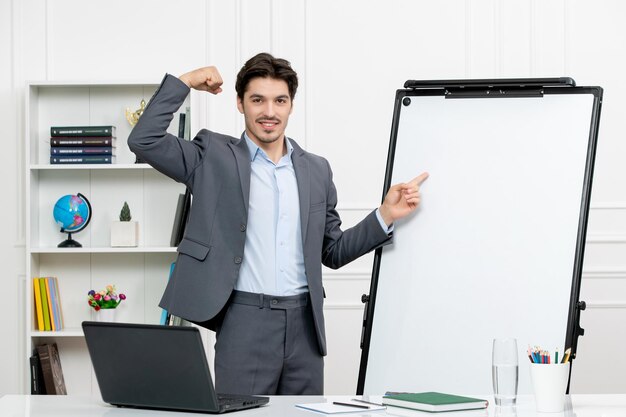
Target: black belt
<point>270,301</point>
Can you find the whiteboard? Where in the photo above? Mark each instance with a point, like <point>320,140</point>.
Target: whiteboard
<point>493,249</point>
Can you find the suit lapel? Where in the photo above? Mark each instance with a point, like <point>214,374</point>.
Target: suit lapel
<point>303,177</point>
<point>242,156</point>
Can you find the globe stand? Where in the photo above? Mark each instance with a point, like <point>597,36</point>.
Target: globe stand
<point>71,217</point>
<point>69,243</point>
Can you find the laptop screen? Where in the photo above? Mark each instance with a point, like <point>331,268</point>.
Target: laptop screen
<point>150,366</point>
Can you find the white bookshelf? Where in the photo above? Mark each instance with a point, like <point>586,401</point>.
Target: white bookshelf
<point>144,249</point>
<point>116,166</point>
<point>140,272</point>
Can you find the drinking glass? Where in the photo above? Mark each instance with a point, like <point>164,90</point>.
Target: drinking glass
<point>504,368</point>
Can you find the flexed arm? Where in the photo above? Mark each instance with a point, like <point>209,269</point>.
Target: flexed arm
<point>167,153</point>
<point>204,79</point>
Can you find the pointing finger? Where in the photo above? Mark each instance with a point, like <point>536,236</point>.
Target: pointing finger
<point>420,178</point>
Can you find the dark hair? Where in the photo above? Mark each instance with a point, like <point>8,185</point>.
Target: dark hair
<point>265,65</point>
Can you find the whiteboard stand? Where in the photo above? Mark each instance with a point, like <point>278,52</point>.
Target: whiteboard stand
<point>496,247</point>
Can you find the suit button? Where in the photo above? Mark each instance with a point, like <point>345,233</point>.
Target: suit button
<point>238,259</point>
<point>242,227</point>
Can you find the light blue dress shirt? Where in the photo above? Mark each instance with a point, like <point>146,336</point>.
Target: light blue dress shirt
<point>273,260</point>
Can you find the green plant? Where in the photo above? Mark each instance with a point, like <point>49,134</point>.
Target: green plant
<point>125,213</point>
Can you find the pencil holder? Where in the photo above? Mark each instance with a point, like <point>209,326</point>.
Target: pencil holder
<point>549,385</point>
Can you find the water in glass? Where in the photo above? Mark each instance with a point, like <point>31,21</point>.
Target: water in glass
<point>505,379</point>
<point>504,371</point>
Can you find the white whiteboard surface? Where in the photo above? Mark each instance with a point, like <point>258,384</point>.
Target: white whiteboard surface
<point>490,251</point>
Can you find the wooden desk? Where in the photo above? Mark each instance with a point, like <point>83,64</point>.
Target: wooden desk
<point>609,405</point>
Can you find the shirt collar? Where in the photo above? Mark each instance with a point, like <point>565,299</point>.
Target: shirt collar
<point>254,148</point>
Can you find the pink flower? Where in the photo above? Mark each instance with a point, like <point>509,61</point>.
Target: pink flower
<point>97,297</point>
<point>107,298</point>
<point>122,296</point>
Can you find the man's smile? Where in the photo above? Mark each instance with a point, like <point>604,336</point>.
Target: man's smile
<point>268,124</point>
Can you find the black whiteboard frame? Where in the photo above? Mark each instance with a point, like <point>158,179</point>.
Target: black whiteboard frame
<point>494,88</point>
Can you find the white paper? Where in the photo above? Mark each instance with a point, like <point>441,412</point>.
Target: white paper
<point>330,408</point>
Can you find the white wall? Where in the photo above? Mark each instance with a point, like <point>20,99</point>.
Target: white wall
<point>351,57</point>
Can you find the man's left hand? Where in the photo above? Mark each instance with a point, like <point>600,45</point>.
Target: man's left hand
<point>402,199</point>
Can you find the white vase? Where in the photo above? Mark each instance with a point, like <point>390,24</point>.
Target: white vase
<point>124,234</point>
<point>105,314</point>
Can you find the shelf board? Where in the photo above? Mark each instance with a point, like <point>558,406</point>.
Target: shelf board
<point>93,83</point>
<point>35,167</point>
<point>70,332</point>
<point>138,249</point>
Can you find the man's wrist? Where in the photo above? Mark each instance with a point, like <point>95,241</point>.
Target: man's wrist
<point>385,215</point>
<point>185,78</point>
<point>387,228</point>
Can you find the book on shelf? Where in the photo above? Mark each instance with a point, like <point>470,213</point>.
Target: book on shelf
<point>47,306</point>
<point>82,150</point>
<point>180,218</point>
<point>165,315</point>
<point>82,131</point>
<point>187,123</point>
<point>174,238</point>
<point>76,142</point>
<point>53,321</point>
<point>433,401</point>
<point>51,369</point>
<point>57,299</point>
<point>177,321</point>
<point>181,125</point>
<point>82,159</point>
<point>38,305</point>
<point>54,302</point>
<point>37,386</point>
<point>44,305</point>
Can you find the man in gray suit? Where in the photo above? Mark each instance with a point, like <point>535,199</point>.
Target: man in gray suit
<point>262,222</point>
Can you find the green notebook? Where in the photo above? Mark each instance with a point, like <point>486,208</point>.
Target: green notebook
<point>434,401</point>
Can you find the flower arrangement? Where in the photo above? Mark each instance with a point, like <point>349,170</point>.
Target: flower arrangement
<point>105,299</point>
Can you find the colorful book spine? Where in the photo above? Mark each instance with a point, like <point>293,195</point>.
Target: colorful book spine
<point>38,307</point>
<point>44,304</point>
<point>53,325</point>
<point>86,150</point>
<point>54,303</point>
<point>82,131</point>
<point>82,159</point>
<point>165,315</point>
<point>57,295</point>
<point>82,142</point>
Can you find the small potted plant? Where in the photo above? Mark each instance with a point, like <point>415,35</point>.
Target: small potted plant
<point>105,302</point>
<point>124,233</point>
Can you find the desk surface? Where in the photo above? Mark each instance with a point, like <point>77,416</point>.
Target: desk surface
<point>609,405</point>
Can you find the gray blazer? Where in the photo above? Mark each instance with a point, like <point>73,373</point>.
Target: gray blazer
<point>216,169</point>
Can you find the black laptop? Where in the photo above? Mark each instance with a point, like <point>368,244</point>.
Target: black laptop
<point>157,367</point>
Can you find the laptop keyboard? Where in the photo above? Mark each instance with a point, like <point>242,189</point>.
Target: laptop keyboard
<point>228,400</point>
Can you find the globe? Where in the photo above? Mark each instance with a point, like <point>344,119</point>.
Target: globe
<point>72,213</point>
